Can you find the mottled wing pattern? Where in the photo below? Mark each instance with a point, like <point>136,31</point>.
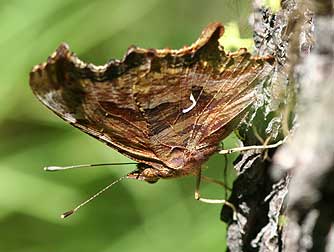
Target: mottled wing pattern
<point>100,102</point>
<point>222,86</point>
<point>230,91</point>
<point>154,105</point>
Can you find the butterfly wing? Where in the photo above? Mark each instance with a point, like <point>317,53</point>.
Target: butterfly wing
<point>98,101</point>
<point>193,98</point>
<point>154,105</point>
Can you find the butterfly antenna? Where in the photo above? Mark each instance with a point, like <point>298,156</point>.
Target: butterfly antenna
<point>68,213</point>
<point>61,168</point>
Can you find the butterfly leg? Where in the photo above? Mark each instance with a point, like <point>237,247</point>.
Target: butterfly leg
<point>253,147</point>
<point>211,201</point>
<point>216,181</point>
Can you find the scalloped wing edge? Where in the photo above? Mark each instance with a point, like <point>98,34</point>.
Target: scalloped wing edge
<point>212,32</point>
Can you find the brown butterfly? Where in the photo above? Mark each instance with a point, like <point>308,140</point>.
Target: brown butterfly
<point>166,109</point>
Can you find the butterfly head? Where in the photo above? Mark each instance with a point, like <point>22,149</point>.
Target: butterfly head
<point>151,174</point>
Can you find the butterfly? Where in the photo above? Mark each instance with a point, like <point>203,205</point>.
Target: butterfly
<point>166,109</point>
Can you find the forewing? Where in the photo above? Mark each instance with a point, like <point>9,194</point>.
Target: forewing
<point>97,100</point>
<point>154,105</point>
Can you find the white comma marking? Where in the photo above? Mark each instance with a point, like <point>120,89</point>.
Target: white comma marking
<point>192,99</point>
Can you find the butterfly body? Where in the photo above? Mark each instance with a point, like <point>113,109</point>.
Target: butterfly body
<point>166,109</point>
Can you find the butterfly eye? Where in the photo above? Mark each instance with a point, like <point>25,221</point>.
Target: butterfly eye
<point>152,181</point>
<point>146,173</point>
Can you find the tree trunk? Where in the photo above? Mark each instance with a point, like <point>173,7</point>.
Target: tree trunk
<point>284,198</point>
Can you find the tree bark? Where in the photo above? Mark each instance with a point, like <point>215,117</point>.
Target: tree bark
<point>284,198</point>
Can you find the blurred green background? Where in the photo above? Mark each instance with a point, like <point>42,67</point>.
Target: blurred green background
<point>132,216</point>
